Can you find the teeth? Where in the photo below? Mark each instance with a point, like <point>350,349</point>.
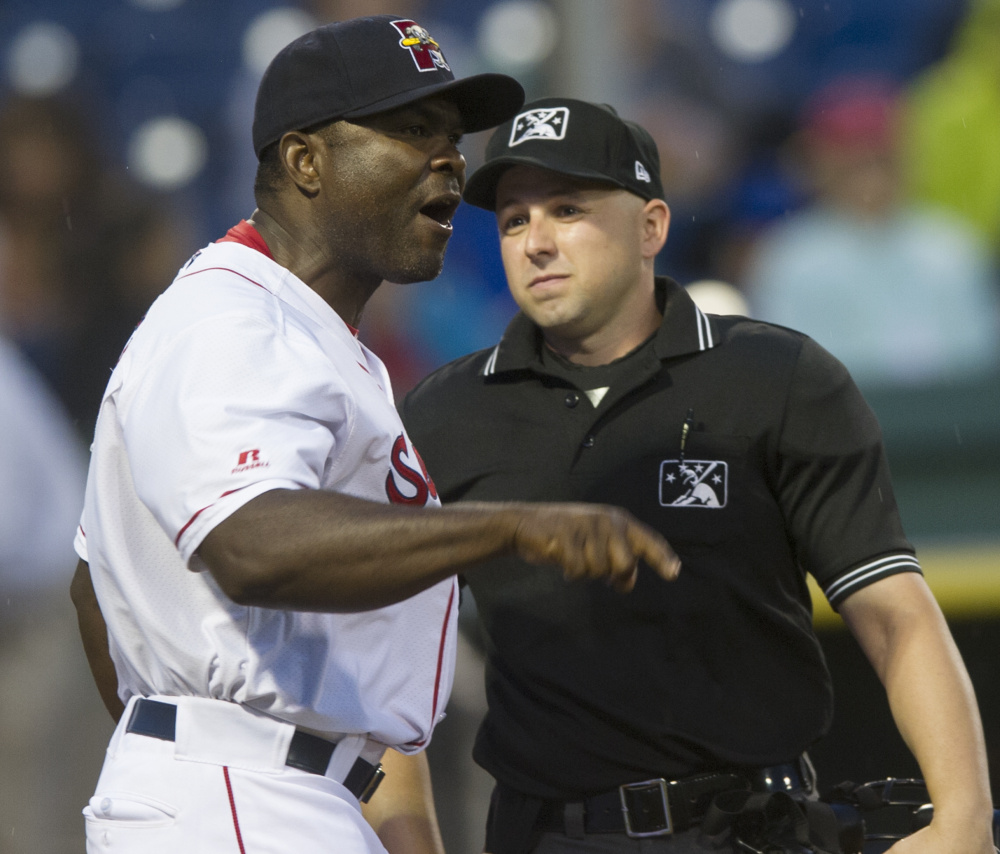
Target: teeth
<point>439,214</point>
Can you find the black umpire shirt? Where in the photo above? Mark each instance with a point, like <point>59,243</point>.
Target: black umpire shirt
<point>751,450</point>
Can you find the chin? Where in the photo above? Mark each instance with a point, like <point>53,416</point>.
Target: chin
<point>417,270</point>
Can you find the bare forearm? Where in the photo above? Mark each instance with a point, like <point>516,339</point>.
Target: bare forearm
<point>402,810</point>
<point>320,551</point>
<point>935,709</point>
<point>286,549</point>
<point>94,634</point>
<point>933,703</point>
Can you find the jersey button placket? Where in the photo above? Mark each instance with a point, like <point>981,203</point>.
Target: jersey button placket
<point>572,399</point>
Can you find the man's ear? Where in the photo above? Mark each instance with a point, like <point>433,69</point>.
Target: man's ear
<point>655,225</point>
<point>297,152</point>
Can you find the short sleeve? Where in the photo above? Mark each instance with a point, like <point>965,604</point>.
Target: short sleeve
<point>233,408</point>
<point>833,481</point>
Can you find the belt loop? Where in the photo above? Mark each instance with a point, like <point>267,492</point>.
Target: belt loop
<point>345,754</point>
<point>573,818</point>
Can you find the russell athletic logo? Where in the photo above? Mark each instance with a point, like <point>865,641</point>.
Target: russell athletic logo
<point>694,483</point>
<point>545,123</point>
<point>249,460</point>
<point>425,51</point>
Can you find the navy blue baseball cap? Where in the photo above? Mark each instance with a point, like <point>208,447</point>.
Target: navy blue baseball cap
<point>356,68</point>
<point>572,137</point>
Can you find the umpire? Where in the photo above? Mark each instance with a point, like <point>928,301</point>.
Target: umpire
<point>614,720</point>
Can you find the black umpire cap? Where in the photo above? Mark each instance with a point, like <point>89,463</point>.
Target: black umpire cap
<point>350,69</point>
<point>571,137</point>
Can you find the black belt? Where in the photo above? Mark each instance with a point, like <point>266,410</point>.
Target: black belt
<point>307,752</point>
<point>659,807</point>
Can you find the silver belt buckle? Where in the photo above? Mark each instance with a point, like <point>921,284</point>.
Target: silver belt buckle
<point>646,808</point>
<point>377,775</point>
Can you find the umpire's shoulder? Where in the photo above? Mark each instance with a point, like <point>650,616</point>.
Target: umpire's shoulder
<point>748,331</point>
<point>757,343</point>
<point>446,390</point>
<point>766,358</point>
<point>761,355</point>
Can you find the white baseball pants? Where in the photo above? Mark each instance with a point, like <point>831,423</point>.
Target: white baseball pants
<point>220,787</point>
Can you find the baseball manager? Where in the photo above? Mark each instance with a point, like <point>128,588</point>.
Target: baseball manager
<point>266,588</point>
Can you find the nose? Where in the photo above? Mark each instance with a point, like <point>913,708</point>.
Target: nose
<point>539,239</point>
<point>450,161</point>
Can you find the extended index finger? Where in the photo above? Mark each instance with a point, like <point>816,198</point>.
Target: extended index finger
<point>653,548</point>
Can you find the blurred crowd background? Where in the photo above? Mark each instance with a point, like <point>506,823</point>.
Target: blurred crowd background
<point>830,165</point>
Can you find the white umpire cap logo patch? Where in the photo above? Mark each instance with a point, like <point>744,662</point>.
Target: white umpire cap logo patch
<point>593,144</point>
<point>694,483</point>
<point>548,123</point>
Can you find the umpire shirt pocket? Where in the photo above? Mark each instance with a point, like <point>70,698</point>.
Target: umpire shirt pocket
<point>701,494</point>
<point>696,499</point>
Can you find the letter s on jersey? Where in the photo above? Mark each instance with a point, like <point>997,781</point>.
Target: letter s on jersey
<point>419,481</point>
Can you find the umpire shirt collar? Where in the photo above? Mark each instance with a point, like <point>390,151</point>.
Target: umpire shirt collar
<point>685,329</point>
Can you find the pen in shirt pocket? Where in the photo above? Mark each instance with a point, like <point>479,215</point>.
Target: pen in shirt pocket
<point>685,429</point>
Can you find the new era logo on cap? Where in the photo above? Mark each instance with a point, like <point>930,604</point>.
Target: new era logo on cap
<point>641,174</point>
<point>548,123</point>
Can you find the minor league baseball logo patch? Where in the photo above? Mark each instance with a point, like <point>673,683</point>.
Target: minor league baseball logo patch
<point>426,52</point>
<point>546,123</point>
<point>694,483</point>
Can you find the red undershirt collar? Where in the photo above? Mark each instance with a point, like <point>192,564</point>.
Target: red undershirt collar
<point>244,233</point>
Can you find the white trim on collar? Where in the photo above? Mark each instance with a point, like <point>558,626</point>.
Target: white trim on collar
<point>491,363</point>
<point>705,340</point>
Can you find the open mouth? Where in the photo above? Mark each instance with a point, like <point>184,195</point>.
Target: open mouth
<point>442,209</point>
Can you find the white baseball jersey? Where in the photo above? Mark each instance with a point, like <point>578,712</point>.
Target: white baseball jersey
<point>241,379</point>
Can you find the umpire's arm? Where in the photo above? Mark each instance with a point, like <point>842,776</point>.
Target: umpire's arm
<point>904,634</point>
<point>402,813</point>
<point>94,632</point>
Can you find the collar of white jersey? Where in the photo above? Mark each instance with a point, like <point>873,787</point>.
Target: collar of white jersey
<point>257,269</point>
<point>685,329</point>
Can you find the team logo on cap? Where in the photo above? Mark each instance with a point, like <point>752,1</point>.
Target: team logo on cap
<point>425,51</point>
<point>694,483</point>
<point>544,123</point>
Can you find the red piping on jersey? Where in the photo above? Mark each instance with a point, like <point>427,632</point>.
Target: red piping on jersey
<point>440,661</point>
<point>232,807</point>
<point>226,270</point>
<point>245,234</point>
<point>180,533</point>
<point>187,525</point>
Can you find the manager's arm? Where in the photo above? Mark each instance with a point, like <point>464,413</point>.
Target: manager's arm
<point>315,550</point>
<point>903,633</point>
<point>94,633</point>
